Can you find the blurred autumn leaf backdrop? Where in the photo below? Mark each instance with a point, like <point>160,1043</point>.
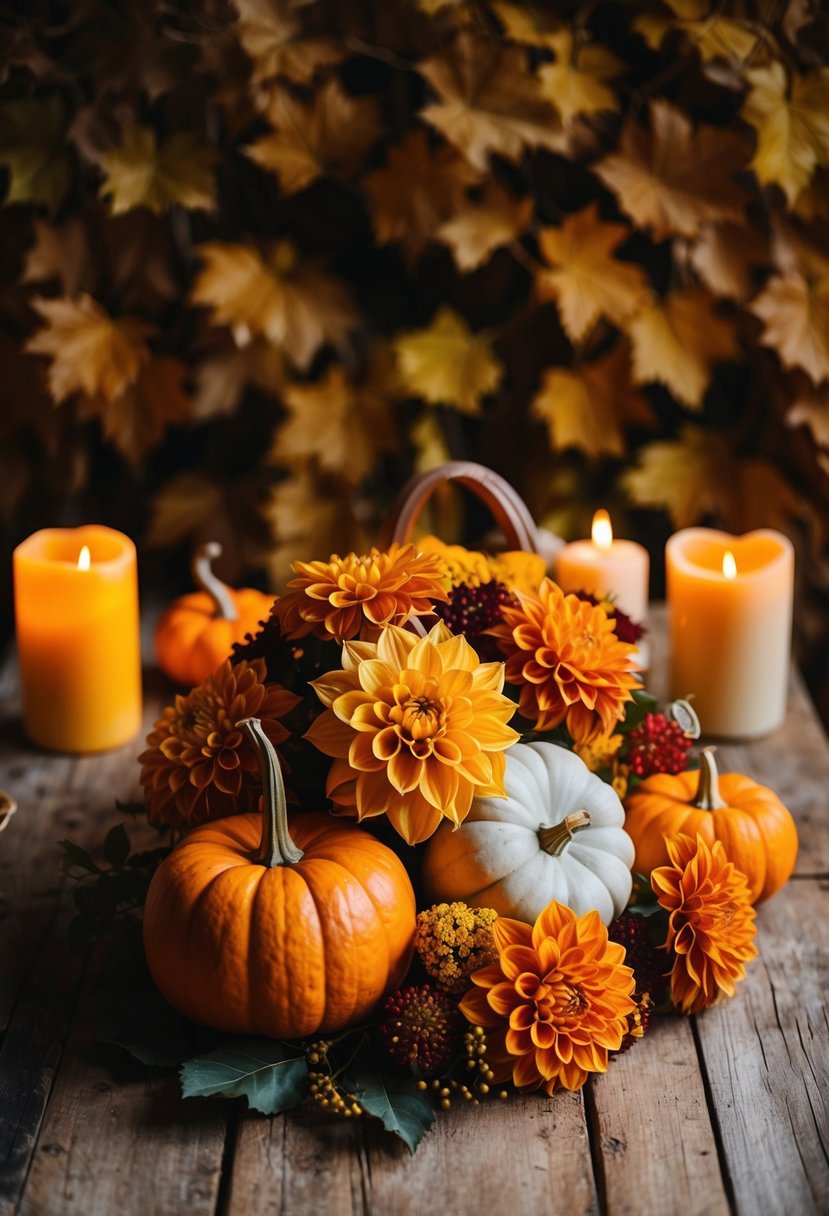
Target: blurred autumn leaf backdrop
<point>261,261</point>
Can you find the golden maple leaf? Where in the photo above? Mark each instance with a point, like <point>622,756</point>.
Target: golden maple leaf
<point>416,190</point>
<point>726,257</point>
<point>31,147</point>
<point>59,252</point>
<point>136,419</point>
<point>527,23</point>
<point>294,304</point>
<point>586,281</point>
<point>329,135</point>
<point>671,178</point>
<point>676,340</point>
<point>577,82</point>
<point>446,364</point>
<point>477,229</point>
<point>92,353</point>
<point>712,34</point>
<point>690,477</point>
<point>589,407</point>
<point>795,310</point>
<point>792,126</point>
<point>340,425</point>
<point>489,101</point>
<point>141,172</point>
<point>271,33</point>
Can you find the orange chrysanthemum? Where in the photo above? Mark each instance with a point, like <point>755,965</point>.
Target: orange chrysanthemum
<point>711,927</point>
<point>417,726</point>
<point>565,656</point>
<point>345,595</point>
<point>556,1002</point>
<point>199,765</point>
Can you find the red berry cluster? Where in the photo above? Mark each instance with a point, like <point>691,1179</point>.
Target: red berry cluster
<point>650,964</point>
<point>421,1028</point>
<point>657,746</point>
<point>471,610</point>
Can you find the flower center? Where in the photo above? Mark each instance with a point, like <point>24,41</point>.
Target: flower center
<point>422,718</point>
<point>570,1000</point>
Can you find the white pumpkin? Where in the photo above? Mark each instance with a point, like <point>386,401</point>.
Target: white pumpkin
<point>557,835</point>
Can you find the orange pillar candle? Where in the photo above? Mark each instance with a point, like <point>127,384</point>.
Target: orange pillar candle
<point>730,602</point>
<point>76,609</point>
<point>604,566</point>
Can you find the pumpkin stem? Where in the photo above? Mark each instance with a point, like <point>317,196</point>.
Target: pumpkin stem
<point>277,848</point>
<point>708,791</point>
<point>223,606</point>
<point>554,837</point>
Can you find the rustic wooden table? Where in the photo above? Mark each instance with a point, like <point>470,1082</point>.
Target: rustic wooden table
<point>717,1114</point>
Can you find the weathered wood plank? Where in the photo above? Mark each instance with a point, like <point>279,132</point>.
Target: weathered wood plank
<point>653,1130</point>
<point>766,1054</point>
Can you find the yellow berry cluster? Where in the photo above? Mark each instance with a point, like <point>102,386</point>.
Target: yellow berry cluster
<point>323,1086</point>
<point>454,940</point>
<point>474,1043</point>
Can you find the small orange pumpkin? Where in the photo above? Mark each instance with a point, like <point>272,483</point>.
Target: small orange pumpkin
<point>253,928</point>
<point>196,633</point>
<point>758,833</point>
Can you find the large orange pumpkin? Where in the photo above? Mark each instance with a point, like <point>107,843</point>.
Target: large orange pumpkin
<point>255,927</point>
<point>196,633</point>
<point>756,830</point>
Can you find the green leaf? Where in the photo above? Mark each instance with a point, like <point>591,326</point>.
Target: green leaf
<point>117,846</point>
<point>265,1072</point>
<point>642,703</point>
<point>400,1107</point>
<point>74,855</point>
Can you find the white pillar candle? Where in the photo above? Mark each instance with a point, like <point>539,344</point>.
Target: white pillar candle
<point>607,568</point>
<point>730,601</point>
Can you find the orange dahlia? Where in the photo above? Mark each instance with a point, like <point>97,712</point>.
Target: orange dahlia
<point>556,1002</point>
<point>711,927</point>
<point>346,595</point>
<point>565,656</point>
<point>198,764</point>
<point>416,727</point>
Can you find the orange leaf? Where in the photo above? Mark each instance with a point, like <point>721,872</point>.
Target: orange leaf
<point>577,82</point>
<point>137,419</point>
<point>676,341</point>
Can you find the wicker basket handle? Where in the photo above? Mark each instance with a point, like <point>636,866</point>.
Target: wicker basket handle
<point>506,504</point>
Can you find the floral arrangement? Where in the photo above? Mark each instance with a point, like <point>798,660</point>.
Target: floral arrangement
<point>391,705</point>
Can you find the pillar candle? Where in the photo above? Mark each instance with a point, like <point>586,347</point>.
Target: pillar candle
<point>76,610</point>
<point>607,567</point>
<point>730,601</point>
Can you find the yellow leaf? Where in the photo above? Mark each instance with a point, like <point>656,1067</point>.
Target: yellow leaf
<point>795,310</point>
<point>676,341</point>
<point>59,253</point>
<point>342,426</point>
<point>527,23</point>
<point>137,419</point>
<point>31,148</point>
<point>725,256</point>
<point>590,406</point>
<point>689,477</point>
<point>489,101</point>
<point>271,33</point>
<point>577,82</point>
<point>446,364</point>
<point>671,178</point>
<point>295,305</point>
<point>586,280</point>
<point>714,36</point>
<point>792,126</point>
<point>143,173</point>
<point>91,352</point>
<point>478,229</point>
<point>417,189</point>
<point>329,135</point>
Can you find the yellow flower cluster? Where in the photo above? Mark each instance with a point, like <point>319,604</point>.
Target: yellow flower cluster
<point>518,571</point>
<point>603,753</point>
<point>454,940</point>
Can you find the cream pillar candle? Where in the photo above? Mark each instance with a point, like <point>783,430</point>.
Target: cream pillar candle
<point>730,601</point>
<point>607,567</point>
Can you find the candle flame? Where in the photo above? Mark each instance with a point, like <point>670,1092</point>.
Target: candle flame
<point>84,558</point>
<point>602,531</point>
<point>729,565</point>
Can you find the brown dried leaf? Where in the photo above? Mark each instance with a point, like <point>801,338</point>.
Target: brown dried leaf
<point>795,310</point>
<point>141,172</point>
<point>690,477</point>
<point>713,35</point>
<point>31,147</point>
<point>676,341</point>
<point>586,280</point>
<point>810,408</point>
<point>792,124</point>
<point>311,516</point>
<point>193,507</point>
<point>673,179</point>
<point>295,305</point>
<point>763,498</point>
<point>446,364</point>
<point>590,406</point>
<point>138,418</point>
<point>577,82</point>
<point>489,101</point>
<point>476,230</point>
<point>725,255</point>
<point>220,379</point>
<point>527,23</point>
<point>271,33</point>
<point>59,252</point>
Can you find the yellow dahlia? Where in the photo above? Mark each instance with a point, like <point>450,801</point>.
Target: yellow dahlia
<point>198,765</point>
<point>556,1002</point>
<point>565,656</point>
<point>416,726</point>
<point>711,927</point>
<point>348,595</point>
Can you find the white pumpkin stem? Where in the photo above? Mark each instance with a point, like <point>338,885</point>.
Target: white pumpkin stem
<point>554,837</point>
<point>708,791</point>
<point>277,848</point>
<point>201,567</point>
